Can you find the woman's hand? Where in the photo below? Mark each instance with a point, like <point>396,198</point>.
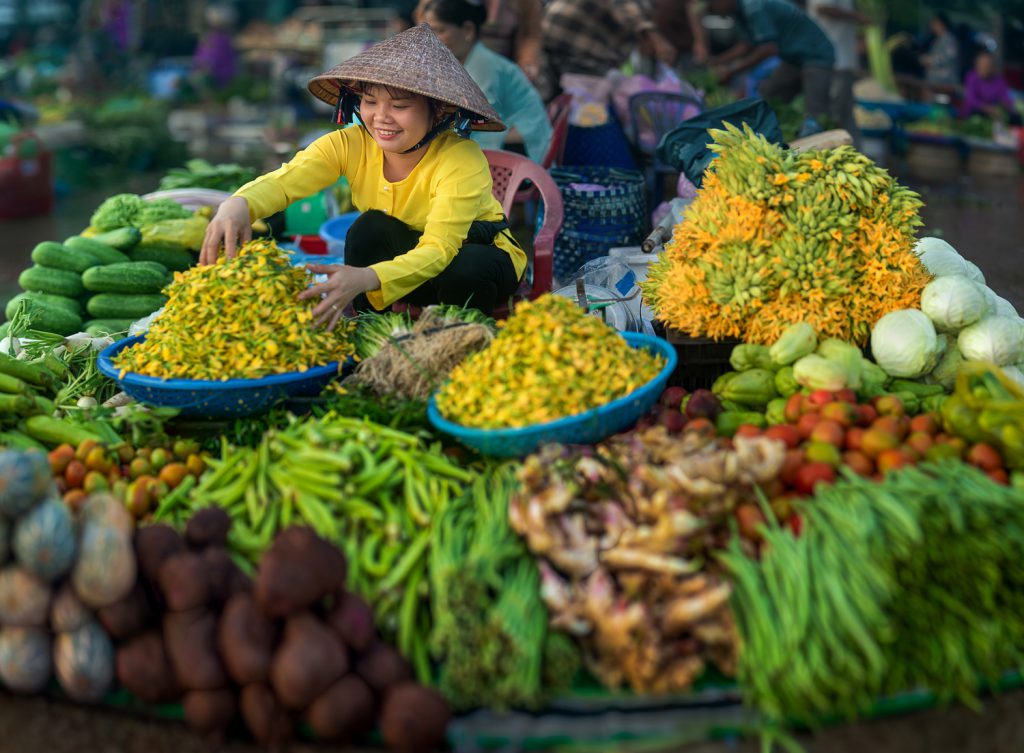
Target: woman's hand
<point>343,284</point>
<point>230,227</point>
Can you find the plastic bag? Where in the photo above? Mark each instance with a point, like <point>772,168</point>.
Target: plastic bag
<point>186,234</point>
<point>590,96</point>
<point>686,147</point>
<point>609,282</point>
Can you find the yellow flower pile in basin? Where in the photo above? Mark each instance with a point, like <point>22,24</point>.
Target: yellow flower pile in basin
<point>237,319</point>
<point>548,361</point>
<point>776,237</point>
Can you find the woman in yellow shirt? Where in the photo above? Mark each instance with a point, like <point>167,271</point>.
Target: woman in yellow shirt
<point>430,230</point>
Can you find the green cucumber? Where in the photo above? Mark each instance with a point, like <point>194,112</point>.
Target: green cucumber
<point>53,281</point>
<point>32,373</point>
<point>55,431</point>
<point>44,316</point>
<point>131,277</point>
<point>70,305</point>
<point>103,327</point>
<point>106,254</point>
<point>122,238</point>
<point>15,440</point>
<point>122,306</point>
<point>53,254</point>
<point>175,259</point>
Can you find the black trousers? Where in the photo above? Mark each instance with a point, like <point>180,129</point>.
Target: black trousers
<point>481,275</point>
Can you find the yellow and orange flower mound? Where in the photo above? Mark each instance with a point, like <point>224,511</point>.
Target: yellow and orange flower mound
<point>237,319</point>
<point>776,237</point>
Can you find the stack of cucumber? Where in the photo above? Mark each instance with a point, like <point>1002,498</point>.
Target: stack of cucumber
<point>92,284</point>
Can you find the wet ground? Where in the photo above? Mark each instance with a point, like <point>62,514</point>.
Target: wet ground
<point>982,218</point>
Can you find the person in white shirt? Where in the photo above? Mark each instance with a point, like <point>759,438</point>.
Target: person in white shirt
<point>839,20</point>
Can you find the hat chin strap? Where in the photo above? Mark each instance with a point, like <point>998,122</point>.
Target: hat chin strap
<point>457,121</point>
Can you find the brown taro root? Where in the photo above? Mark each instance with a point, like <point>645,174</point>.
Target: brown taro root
<point>128,617</point>
<point>344,711</point>
<point>210,712</point>
<point>267,720</point>
<point>309,660</point>
<point>153,545</point>
<point>352,618</point>
<point>245,637</point>
<point>208,527</point>
<point>297,571</point>
<point>413,719</point>
<point>184,582</point>
<point>144,669</point>
<point>191,639</point>
<point>226,579</point>
<point>383,667</point>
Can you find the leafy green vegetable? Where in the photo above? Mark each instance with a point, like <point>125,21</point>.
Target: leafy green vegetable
<point>490,630</point>
<point>198,173</point>
<point>130,210</point>
<point>914,581</point>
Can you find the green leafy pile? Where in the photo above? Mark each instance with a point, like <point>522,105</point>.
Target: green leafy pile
<point>130,210</point>
<point>490,624</point>
<point>915,581</point>
<point>198,173</point>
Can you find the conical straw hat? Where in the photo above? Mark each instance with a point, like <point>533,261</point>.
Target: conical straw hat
<point>415,60</point>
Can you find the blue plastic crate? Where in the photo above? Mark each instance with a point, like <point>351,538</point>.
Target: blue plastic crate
<point>215,399</point>
<point>589,427</point>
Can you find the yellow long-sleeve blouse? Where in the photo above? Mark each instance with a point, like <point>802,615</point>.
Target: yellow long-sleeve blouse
<point>441,197</point>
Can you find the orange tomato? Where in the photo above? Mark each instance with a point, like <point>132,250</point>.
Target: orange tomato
<point>985,456</point>
<point>926,422</point>
<point>828,432</point>
<point>858,462</point>
<point>890,460</point>
<point>784,433</point>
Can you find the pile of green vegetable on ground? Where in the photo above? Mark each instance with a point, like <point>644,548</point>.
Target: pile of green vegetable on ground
<point>914,581</point>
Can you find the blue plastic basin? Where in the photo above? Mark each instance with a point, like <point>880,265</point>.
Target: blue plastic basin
<point>215,399</point>
<point>588,427</point>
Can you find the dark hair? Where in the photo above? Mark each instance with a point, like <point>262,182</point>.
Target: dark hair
<point>457,12</point>
<point>943,18</point>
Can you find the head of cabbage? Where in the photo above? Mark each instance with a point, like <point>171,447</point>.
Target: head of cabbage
<point>905,344</point>
<point>996,339</point>
<point>953,302</point>
<point>940,258</point>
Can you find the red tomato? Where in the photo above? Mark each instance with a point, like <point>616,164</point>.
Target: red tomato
<point>821,397</point>
<point>827,431</point>
<point>858,462</point>
<point>812,474</point>
<point>785,433</point>
<point>807,423</point>
<point>985,456</point>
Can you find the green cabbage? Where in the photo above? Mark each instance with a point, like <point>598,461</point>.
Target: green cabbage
<point>997,339</point>
<point>940,258</point>
<point>973,272</point>
<point>904,343</point>
<point>953,302</point>
<point>1004,308</point>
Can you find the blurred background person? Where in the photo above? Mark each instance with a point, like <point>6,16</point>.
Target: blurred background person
<point>840,20</point>
<point>942,61</point>
<point>680,22</point>
<point>514,98</point>
<point>511,28</point>
<point>987,92</point>
<point>216,60</point>
<point>775,27</point>
<point>593,37</point>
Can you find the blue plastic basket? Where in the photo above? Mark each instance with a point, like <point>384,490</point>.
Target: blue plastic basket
<point>215,399</point>
<point>588,427</point>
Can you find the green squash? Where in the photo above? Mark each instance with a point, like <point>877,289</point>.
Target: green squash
<point>44,540</point>
<point>25,479</point>
<point>26,662</point>
<point>84,660</point>
<point>24,598</point>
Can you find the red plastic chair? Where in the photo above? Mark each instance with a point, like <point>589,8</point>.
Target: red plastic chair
<point>508,172</point>
<point>558,114</point>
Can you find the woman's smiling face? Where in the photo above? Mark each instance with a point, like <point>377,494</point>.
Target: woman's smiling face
<point>396,119</point>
